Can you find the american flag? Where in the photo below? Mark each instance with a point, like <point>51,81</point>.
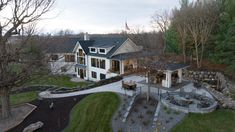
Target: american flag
<point>126,26</point>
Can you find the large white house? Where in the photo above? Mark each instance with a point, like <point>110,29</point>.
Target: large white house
<point>95,58</point>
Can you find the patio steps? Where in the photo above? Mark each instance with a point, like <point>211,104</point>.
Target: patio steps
<point>156,114</point>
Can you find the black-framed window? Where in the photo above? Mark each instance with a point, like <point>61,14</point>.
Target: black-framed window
<point>102,50</point>
<point>93,62</point>
<point>93,74</point>
<point>80,52</point>
<point>82,60</point>
<point>99,63</point>
<point>102,64</point>
<point>102,76</point>
<point>92,49</point>
<point>54,57</point>
<point>78,71</point>
<point>84,73</point>
<point>69,58</point>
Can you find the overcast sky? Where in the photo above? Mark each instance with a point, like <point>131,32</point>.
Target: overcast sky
<point>103,16</point>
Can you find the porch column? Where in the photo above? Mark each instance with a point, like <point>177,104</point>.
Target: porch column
<point>135,64</point>
<point>121,67</point>
<point>180,75</point>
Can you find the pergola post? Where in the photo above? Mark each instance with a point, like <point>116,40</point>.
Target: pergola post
<point>169,79</point>
<point>180,75</point>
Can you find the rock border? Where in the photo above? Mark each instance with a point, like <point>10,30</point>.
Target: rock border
<point>188,110</point>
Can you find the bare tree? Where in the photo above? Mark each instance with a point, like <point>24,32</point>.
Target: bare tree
<point>17,62</point>
<point>179,22</point>
<point>201,19</point>
<point>162,23</point>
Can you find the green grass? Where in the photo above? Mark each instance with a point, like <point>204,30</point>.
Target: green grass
<point>217,121</point>
<point>21,98</point>
<point>94,113</point>
<point>60,81</point>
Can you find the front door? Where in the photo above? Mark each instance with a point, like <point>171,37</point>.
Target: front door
<point>81,73</point>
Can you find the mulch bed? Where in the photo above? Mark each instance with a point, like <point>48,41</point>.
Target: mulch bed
<point>55,119</point>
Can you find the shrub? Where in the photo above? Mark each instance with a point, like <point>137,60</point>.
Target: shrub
<point>176,112</point>
<point>149,112</point>
<point>168,111</point>
<point>165,108</point>
<point>106,81</point>
<point>146,123</point>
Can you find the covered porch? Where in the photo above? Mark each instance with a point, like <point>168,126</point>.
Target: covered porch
<point>80,71</point>
<point>126,63</point>
<point>123,66</point>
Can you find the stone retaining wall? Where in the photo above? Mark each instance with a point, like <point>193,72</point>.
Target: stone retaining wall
<point>220,90</point>
<point>199,75</point>
<point>216,79</point>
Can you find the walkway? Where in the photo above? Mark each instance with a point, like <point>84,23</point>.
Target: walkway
<point>117,88</point>
<point>113,87</point>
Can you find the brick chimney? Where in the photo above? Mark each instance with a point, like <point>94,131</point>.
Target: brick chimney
<point>86,36</point>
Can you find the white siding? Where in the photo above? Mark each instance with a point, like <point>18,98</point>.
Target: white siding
<point>126,47</point>
<point>99,70</point>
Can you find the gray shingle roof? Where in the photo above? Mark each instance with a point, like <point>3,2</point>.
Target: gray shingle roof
<point>61,44</point>
<point>131,55</point>
<point>102,42</point>
<point>67,44</point>
<point>160,65</point>
<point>175,66</point>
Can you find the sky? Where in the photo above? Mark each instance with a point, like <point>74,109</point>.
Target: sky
<point>103,16</point>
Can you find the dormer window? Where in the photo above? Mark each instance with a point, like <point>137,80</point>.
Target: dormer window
<point>102,51</point>
<point>93,50</point>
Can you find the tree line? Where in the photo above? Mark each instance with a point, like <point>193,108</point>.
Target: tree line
<point>203,29</point>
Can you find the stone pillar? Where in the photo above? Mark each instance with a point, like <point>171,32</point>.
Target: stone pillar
<point>180,75</point>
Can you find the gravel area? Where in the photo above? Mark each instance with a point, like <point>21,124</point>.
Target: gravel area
<point>140,117</point>
<point>168,118</point>
<point>18,114</point>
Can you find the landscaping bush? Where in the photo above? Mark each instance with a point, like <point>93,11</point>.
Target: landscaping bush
<point>97,84</point>
<point>106,81</point>
<point>32,88</point>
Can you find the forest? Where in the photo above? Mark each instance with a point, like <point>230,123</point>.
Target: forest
<point>203,30</point>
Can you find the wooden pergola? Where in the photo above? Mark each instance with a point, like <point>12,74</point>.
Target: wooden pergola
<point>166,73</point>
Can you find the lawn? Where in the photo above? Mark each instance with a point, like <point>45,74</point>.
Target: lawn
<point>59,80</point>
<point>94,113</point>
<point>25,97</point>
<point>217,121</point>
